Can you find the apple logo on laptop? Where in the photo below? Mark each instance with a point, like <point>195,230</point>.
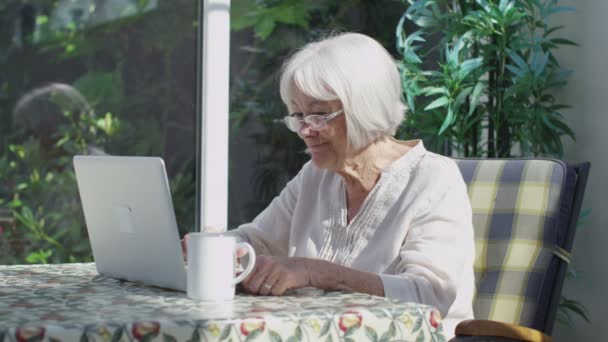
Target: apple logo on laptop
<point>123,219</point>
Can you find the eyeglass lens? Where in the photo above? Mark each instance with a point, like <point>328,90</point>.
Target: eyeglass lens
<point>315,122</point>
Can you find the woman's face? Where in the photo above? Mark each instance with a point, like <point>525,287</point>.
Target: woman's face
<point>328,146</point>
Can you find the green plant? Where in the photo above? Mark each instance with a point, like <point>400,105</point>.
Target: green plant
<point>44,201</point>
<point>136,72</point>
<point>491,92</point>
<point>568,308</point>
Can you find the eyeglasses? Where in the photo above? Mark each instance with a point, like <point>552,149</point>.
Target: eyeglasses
<point>316,121</point>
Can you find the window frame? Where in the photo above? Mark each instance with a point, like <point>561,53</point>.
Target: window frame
<point>213,50</point>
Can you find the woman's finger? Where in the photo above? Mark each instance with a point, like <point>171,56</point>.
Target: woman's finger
<point>255,280</point>
<point>259,274</point>
<point>280,287</point>
<point>184,243</point>
<point>241,252</point>
<point>269,282</point>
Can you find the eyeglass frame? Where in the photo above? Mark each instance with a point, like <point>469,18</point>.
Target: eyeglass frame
<point>326,118</point>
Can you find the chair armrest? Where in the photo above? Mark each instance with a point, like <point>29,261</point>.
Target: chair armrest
<point>479,327</point>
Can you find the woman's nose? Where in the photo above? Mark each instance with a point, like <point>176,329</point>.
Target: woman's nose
<point>305,131</point>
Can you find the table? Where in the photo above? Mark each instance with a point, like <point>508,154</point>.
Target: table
<point>72,302</point>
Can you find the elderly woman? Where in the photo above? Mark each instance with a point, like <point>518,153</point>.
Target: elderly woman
<point>368,213</point>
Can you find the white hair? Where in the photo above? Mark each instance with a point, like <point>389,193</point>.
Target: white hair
<point>356,70</point>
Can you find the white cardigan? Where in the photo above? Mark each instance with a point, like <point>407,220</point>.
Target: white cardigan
<point>414,230</point>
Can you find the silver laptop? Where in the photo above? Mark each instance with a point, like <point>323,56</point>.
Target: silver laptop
<point>130,219</point>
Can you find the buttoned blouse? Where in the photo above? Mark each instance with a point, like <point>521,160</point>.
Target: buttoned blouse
<point>414,229</point>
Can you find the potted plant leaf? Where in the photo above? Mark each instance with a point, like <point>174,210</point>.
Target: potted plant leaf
<point>491,92</point>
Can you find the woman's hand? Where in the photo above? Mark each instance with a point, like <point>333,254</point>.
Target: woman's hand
<point>276,275</point>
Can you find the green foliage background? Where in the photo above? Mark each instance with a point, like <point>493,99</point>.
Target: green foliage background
<point>136,72</point>
<point>491,92</point>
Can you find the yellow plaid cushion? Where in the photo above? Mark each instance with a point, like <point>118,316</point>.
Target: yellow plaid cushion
<point>516,217</point>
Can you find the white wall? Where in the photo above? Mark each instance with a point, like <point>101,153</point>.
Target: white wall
<point>587,92</point>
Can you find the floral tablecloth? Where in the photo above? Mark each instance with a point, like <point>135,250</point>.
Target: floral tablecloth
<point>72,302</point>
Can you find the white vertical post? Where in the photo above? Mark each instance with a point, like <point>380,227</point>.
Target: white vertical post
<point>214,121</point>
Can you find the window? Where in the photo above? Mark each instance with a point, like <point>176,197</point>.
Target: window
<point>89,77</point>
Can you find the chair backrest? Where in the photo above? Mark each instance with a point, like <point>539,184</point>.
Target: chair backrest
<point>524,216</point>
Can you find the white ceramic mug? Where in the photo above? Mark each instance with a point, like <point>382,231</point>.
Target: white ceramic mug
<point>212,266</point>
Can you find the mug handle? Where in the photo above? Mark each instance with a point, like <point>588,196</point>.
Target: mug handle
<point>250,265</point>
